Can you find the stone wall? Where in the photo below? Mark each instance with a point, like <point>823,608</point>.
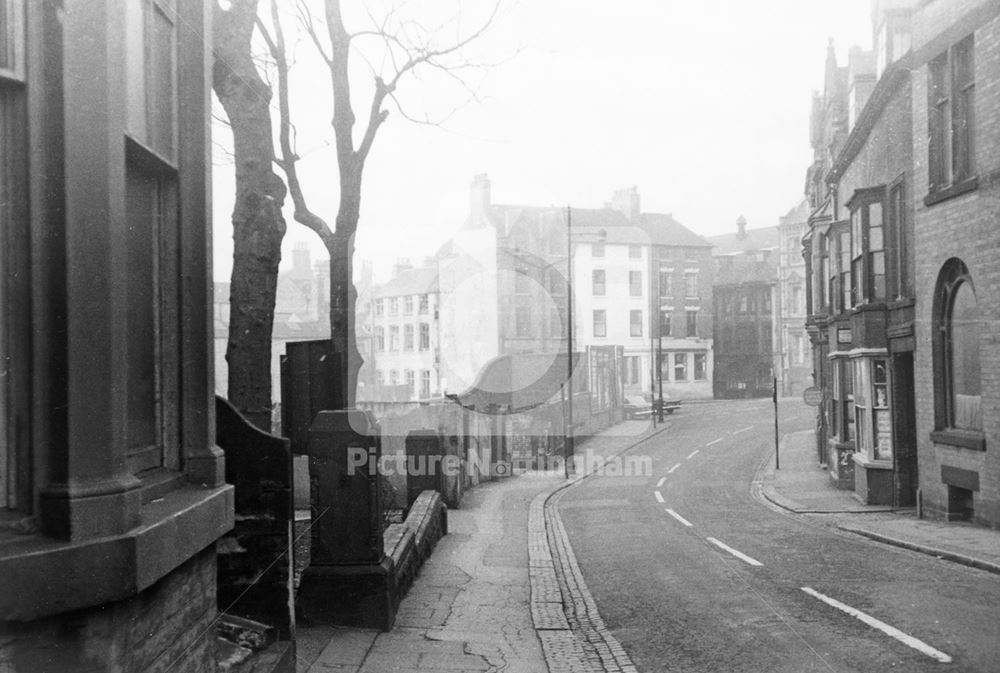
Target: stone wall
<point>169,627</point>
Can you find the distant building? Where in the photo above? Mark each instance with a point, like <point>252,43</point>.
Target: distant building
<point>744,295</point>
<point>404,337</point>
<point>793,352</point>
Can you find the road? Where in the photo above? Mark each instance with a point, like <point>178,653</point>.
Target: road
<point>724,582</point>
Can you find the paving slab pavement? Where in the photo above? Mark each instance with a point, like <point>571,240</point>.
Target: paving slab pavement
<point>470,607</point>
<point>803,487</point>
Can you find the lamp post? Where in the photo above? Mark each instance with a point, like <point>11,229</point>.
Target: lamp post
<point>569,440</point>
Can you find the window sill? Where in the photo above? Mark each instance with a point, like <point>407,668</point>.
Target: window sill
<point>44,577</point>
<point>963,439</point>
<point>871,463</point>
<point>950,192</point>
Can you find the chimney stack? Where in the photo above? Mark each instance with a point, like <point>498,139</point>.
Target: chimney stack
<point>626,202</point>
<point>741,226</point>
<point>479,195</point>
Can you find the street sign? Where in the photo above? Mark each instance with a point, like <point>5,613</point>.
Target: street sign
<point>812,396</point>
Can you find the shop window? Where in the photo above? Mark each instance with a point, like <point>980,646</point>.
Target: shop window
<point>842,409</point>
<point>700,366</point>
<point>635,323</point>
<point>872,417</point>
<point>957,364</point>
<point>680,366</point>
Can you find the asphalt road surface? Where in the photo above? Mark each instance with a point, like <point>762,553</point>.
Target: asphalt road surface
<point>694,573</point>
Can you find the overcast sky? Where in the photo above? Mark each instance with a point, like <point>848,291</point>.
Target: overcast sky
<point>703,105</point>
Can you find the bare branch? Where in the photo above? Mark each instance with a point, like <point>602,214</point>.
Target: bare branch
<point>309,25</point>
<point>303,215</point>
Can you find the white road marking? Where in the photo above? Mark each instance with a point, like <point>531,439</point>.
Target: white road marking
<point>671,470</point>
<point>736,432</point>
<point>692,454</point>
<point>660,482</point>
<point>738,554</point>
<point>659,496</point>
<point>906,639</point>
<point>714,441</point>
<point>678,517</point>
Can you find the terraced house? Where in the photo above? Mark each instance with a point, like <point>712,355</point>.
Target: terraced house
<point>901,258</point>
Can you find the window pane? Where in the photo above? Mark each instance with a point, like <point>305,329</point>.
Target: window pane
<point>635,283</point>
<point>600,326</point>
<point>700,360</point>
<point>635,323</point>
<point>965,366</point>
<point>161,98</point>
<point>680,366</point>
<point>143,210</point>
<point>597,277</point>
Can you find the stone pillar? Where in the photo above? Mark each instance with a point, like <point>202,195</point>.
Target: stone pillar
<point>90,491</point>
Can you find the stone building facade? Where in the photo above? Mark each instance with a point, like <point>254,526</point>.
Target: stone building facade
<point>114,493</point>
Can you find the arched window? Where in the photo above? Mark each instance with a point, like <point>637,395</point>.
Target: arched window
<point>958,323</point>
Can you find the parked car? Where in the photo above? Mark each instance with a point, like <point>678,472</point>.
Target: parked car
<point>637,406</point>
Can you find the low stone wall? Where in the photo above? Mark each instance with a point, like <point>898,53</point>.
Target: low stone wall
<point>410,543</point>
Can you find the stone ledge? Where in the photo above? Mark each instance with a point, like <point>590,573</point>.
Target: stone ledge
<point>44,577</point>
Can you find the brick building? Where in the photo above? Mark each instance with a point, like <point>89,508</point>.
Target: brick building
<point>901,258</point>
<point>745,297</point>
<point>955,65</point>
<point>113,493</point>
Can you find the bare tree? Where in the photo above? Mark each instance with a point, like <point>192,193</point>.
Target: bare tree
<point>258,225</point>
<point>407,47</point>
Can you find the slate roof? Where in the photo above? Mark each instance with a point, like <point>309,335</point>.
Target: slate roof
<point>411,281</point>
<point>763,238</point>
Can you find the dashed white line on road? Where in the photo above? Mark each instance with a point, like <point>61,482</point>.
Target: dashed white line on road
<point>659,496</point>
<point>671,470</point>
<point>714,441</point>
<point>904,638</point>
<point>692,454</point>
<point>736,432</point>
<point>660,482</point>
<point>678,517</point>
<point>738,554</point>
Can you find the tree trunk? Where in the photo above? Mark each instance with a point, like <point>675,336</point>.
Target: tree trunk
<point>343,294</point>
<point>258,225</point>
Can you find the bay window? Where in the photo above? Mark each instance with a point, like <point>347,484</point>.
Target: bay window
<point>867,247</point>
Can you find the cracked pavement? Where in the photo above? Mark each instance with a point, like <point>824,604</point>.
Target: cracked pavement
<point>469,608</point>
